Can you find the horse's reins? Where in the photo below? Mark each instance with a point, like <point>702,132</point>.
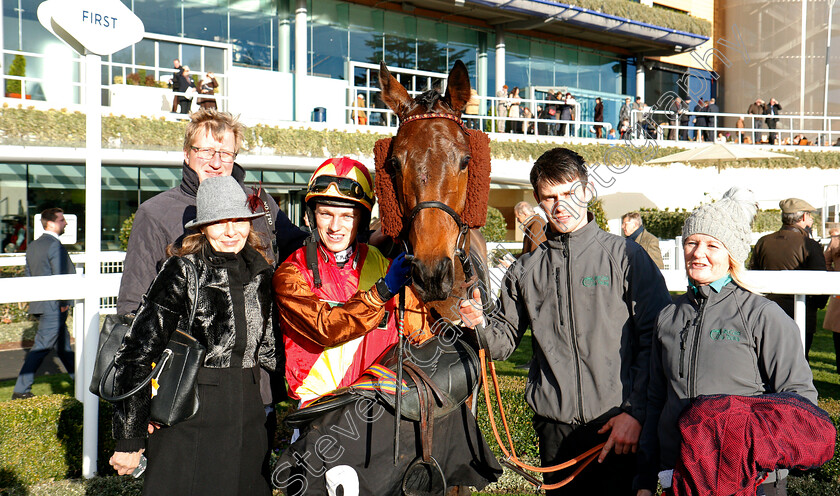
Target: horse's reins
<point>511,460</point>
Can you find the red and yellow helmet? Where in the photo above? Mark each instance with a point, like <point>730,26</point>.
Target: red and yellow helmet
<point>342,181</point>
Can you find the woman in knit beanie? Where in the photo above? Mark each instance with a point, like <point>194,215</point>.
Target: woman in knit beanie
<point>717,338</point>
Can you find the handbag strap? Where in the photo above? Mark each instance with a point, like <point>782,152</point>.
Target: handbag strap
<point>102,394</point>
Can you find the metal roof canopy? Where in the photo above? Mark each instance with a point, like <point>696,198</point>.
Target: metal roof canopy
<point>570,21</point>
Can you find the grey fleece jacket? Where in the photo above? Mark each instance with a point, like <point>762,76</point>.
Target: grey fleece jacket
<point>591,299</point>
<point>731,342</point>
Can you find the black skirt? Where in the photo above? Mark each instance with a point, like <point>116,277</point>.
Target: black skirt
<point>222,450</point>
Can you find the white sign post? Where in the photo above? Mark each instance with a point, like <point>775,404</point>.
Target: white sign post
<point>93,28</point>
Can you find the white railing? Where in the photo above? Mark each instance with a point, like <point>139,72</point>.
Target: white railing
<point>786,128</point>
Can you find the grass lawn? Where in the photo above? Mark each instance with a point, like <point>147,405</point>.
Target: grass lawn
<point>822,362</point>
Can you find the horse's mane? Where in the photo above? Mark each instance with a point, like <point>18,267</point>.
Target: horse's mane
<point>428,99</point>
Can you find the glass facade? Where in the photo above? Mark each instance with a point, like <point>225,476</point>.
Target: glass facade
<point>28,189</point>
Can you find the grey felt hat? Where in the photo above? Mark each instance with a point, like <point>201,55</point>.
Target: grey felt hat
<point>727,220</point>
<point>220,198</point>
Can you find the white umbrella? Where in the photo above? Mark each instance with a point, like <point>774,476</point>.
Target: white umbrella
<point>719,152</point>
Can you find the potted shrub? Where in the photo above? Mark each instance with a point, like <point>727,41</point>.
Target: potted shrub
<point>14,86</point>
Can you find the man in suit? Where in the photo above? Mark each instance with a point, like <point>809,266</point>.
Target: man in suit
<point>772,109</point>
<point>45,257</point>
<point>712,120</point>
<point>699,119</point>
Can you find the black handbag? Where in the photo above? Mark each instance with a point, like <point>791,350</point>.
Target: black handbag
<point>173,376</point>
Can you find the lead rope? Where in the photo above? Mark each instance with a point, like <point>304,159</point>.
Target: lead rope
<point>511,460</point>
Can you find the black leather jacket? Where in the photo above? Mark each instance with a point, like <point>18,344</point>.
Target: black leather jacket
<point>233,320</point>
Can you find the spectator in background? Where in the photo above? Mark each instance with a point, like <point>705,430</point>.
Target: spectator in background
<point>791,248</point>
<point>501,108</point>
<point>472,109</point>
<point>771,110</point>
<point>513,111</point>
<point>832,311</point>
<point>175,83</point>
<point>359,114</point>
<point>526,117</point>
<point>756,108</point>
<point>711,120</point>
<point>674,117</point>
<point>533,226</point>
<point>47,257</point>
<point>685,118</point>
<point>567,113</point>
<point>624,112</point>
<point>611,134</point>
<point>599,117</point>
<point>699,119</point>
<point>633,229</point>
<point>740,126</point>
<point>186,86</point>
<point>208,86</point>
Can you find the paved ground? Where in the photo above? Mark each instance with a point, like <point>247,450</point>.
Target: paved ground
<point>12,360</point>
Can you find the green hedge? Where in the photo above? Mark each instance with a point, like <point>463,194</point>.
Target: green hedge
<point>651,15</point>
<point>27,126</point>
<point>41,439</point>
<point>495,229</point>
<point>667,224</point>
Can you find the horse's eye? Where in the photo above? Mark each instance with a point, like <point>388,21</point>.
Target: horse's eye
<point>394,163</point>
<point>465,162</point>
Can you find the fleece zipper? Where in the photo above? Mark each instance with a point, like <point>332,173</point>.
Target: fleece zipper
<point>573,336</point>
<point>698,323</point>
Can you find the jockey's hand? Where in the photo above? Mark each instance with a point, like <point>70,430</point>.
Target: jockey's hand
<point>644,492</point>
<point>471,312</point>
<point>399,274</point>
<point>624,437</point>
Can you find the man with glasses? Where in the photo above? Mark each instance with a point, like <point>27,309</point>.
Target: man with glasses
<point>210,147</point>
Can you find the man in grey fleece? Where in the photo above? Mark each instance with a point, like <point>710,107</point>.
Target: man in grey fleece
<point>591,300</point>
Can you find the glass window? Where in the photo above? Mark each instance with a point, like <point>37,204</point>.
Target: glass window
<point>431,46</point>
<point>167,53</point>
<point>205,20</point>
<point>516,62</point>
<point>144,53</point>
<point>565,66</point>
<point>542,64</point>
<point>154,180</point>
<point>400,42</point>
<point>191,56</point>
<point>252,33</point>
<point>328,44</point>
<point>463,46</point>
<point>214,60</point>
<point>166,16</point>
<point>59,186</point>
<point>13,208</point>
<point>588,71</point>
<point>119,201</point>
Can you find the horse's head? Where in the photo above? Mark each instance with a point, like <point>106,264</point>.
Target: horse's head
<point>428,162</point>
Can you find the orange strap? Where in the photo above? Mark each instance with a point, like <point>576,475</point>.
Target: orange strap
<point>584,459</point>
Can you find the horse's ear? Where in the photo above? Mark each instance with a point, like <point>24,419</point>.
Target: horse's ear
<point>458,87</point>
<point>393,93</point>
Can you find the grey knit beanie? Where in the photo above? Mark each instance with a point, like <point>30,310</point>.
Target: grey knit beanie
<point>727,220</point>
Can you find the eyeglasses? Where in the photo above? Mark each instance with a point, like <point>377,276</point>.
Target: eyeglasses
<point>346,186</point>
<point>209,153</point>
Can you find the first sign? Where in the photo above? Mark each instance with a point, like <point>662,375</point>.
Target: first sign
<point>101,27</point>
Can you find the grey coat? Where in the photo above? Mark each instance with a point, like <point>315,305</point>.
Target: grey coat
<point>46,257</point>
<point>591,299</point>
<point>735,342</point>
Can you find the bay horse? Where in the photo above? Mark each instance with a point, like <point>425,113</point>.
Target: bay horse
<point>433,180</point>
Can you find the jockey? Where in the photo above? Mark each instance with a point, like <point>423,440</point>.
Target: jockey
<point>335,294</point>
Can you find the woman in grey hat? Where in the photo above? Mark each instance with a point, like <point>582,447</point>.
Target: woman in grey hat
<point>717,338</point>
<point>222,449</point>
